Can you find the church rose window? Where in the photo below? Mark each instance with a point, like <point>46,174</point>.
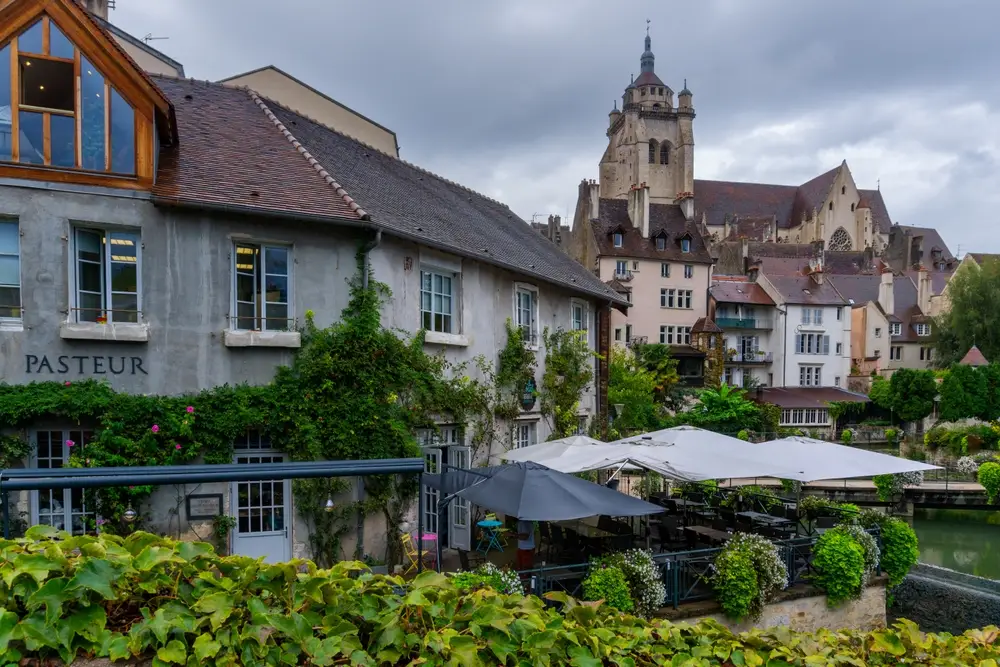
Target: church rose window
<point>840,240</point>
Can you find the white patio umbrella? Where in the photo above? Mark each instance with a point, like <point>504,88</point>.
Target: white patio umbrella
<point>576,453</point>
<point>816,460</point>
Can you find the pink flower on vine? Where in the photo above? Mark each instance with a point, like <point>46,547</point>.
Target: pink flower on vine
<point>68,383</point>
<point>131,488</point>
<point>155,429</point>
<point>70,443</point>
<point>176,446</point>
<point>190,409</point>
<point>101,522</point>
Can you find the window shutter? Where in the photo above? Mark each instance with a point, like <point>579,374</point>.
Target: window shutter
<point>826,345</point>
<point>805,315</point>
<point>798,343</point>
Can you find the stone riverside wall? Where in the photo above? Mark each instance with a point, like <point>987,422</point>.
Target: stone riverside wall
<point>942,600</point>
<point>801,608</point>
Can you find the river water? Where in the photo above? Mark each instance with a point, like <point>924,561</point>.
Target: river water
<point>963,540</point>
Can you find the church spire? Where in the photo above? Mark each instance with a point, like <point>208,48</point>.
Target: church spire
<point>646,62</point>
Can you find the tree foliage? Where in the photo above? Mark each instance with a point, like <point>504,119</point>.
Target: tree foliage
<point>729,410</point>
<point>963,393</point>
<point>632,386</point>
<point>972,317</point>
<point>656,359</point>
<point>913,393</point>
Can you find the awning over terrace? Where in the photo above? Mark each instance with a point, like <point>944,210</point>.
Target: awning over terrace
<point>686,453</point>
<point>817,460</point>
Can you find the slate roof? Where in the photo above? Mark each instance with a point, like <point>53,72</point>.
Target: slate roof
<point>739,291</point>
<point>755,228</point>
<point>663,218</point>
<point>787,203</point>
<point>409,202</point>
<point>860,289</point>
<point>974,357</point>
<point>850,262</point>
<point>932,241</point>
<point>647,79</point>
<point>807,397</point>
<point>804,290</point>
<point>939,279</point>
<point>906,310</point>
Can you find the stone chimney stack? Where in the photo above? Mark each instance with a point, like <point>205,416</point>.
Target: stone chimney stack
<point>886,295</point>
<point>595,199</point>
<point>98,8</point>
<point>638,208</point>
<point>925,290</point>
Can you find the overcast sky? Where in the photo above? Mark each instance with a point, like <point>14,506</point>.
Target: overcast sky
<point>511,98</point>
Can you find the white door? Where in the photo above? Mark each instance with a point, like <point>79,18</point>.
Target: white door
<point>63,509</point>
<point>459,510</point>
<point>432,466</point>
<point>262,511</point>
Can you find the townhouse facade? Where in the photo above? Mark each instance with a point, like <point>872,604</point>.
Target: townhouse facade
<point>746,314</point>
<point>168,236</point>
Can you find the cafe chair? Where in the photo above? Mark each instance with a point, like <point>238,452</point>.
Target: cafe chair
<point>413,556</point>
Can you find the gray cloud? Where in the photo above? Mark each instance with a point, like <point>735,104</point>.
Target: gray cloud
<point>512,98</point>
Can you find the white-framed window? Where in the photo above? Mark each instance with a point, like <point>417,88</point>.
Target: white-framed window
<point>683,335</point>
<point>923,329</point>
<point>666,335</point>
<point>684,298</point>
<point>63,509</point>
<point>689,271</point>
<point>675,335</point>
<point>526,311</point>
<point>896,352</point>
<point>810,376</point>
<point>926,353</point>
<point>896,329</point>
<point>107,275</point>
<point>685,245</point>
<point>628,295</point>
<point>729,376</point>
<point>635,265</point>
<point>664,270</point>
<point>525,434</point>
<point>621,268</point>
<point>812,344</point>
<point>579,315</point>
<point>805,417</point>
<point>878,332</point>
<point>10,270</point>
<point>262,287</point>
<point>628,333</point>
<point>618,239</point>
<point>437,300</point>
<point>836,381</point>
<point>840,312</point>
<point>668,297</point>
<point>840,348</point>
<point>618,334</point>
<point>807,316</point>
<point>817,316</point>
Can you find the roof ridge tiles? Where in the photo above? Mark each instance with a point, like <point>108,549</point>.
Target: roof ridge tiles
<point>394,157</point>
<point>320,169</point>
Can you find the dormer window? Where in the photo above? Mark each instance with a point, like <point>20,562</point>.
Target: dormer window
<point>661,243</point>
<point>58,110</point>
<point>618,239</point>
<point>685,245</point>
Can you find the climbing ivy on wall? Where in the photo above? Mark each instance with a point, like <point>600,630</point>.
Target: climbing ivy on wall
<point>568,372</point>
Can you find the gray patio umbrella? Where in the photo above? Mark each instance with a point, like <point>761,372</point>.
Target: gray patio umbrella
<point>532,492</point>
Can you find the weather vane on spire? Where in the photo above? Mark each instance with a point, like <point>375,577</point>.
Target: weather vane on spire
<point>647,27</point>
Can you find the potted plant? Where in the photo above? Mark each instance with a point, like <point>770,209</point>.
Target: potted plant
<point>731,353</point>
<point>376,565</point>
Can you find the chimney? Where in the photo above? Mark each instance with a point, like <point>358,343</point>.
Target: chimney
<point>924,290</point>
<point>638,208</point>
<point>725,227</point>
<point>98,8</point>
<point>687,208</point>
<point>595,199</point>
<point>753,271</point>
<point>886,295</point>
<point>553,227</point>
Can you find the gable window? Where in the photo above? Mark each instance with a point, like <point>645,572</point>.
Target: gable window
<point>664,270</point>
<point>437,301</point>
<point>896,329</point>
<point>10,271</point>
<point>621,268</point>
<point>923,329</point>
<point>58,110</point>
<point>107,276</point>
<point>526,312</point>
<point>661,243</point>
<point>685,245</point>
<point>617,239</point>
<point>62,509</point>
<point>689,271</point>
<point>262,287</point>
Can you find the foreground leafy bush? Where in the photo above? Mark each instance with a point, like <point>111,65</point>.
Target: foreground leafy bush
<point>489,575</point>
<point>180,604</point>
<point>840,566</point>
<point>645,583</point>
<point>607,583</point>
<point>899,544</point>
<point>748,572</point>
<point>989,477</point>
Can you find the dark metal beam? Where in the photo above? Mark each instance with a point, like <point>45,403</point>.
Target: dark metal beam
<point>20,473</point>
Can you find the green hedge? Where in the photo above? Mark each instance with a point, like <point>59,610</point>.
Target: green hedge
<point>180,603</point>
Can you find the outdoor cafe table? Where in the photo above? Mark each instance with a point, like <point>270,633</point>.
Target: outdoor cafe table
<point>765,519</point>
<point>711,534</point>
<point>585,530</point>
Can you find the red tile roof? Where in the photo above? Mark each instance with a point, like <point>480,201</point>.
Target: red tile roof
<point>231,154</point>
<point>730,291</point>
<point>808,397</point>
<point>974,358</point>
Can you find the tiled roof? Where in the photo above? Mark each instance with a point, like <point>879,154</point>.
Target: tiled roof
<point>931,241</point>
<point>808,397</point>
<point>805,290</point>
<point>850,262</point>
<point>231,154</point>
<point>787,203</point>
<point>663,218</point>
<point>647,79</point>
<point>939,279</point>
<point>732,291</point>
<point>754,228</point>
<point>409,202</point>
<point>705,325</point>
<point>859,289</point>
<point>974,358</point>
<point>783,266</point>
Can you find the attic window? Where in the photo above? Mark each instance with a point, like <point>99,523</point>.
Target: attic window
<point>852,207</point>
<point>685,245</point>
<point>843,189</point>
<point>617,239</point>
<point>53,114</point>
<point>661,243</point>
<point>831,206</point>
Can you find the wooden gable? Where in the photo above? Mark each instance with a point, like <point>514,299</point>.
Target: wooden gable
<point>153,112</point>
